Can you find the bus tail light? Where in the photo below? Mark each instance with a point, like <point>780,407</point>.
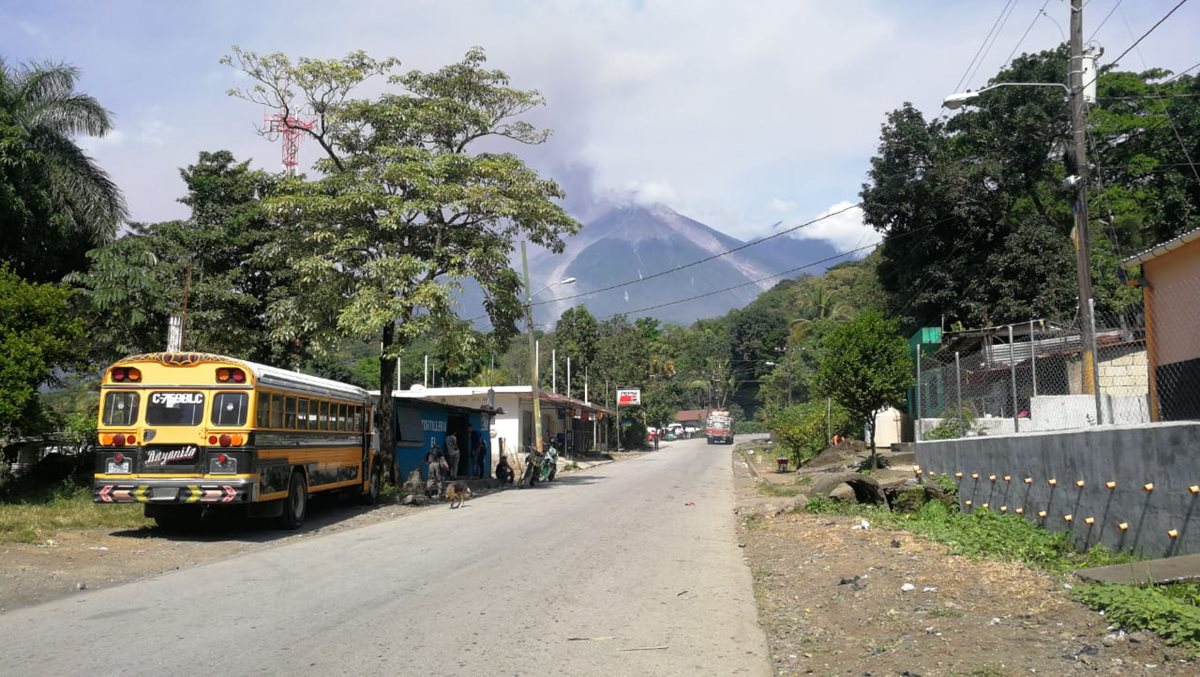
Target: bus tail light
<point>119,374</point>
<point>226,375</point>
<point>225,440</point>
<point>118,440</point>
<point>119,458</point>
<point>236,440</point>
<point>133,375</point>
<point>106,439</point>
<point>130,440</point>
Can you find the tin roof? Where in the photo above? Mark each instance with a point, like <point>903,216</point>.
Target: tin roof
<point>1157,251</point>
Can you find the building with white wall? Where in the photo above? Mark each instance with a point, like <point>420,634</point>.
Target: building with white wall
<point>512,429</point>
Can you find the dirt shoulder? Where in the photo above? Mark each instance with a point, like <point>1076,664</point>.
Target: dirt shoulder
<point>830,599</point>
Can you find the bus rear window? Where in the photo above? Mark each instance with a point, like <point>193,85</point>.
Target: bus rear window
<point>120,408</point>
<point>175,408</point>
<point>229,409</point>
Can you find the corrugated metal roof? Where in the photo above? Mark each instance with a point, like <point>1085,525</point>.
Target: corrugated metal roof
<point>1157,251</point>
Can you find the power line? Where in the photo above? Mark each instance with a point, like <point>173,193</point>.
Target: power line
<point>967,72</point>
<point>1139,40</point>
<point>703,260</point>
<point>1181,73</point>
<point>1104,20</point>
<point>993,42</point>
<point>748,282</point>
<point>1036,16</point>
<point>779,274</point>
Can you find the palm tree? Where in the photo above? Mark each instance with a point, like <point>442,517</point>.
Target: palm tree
<point>43,115</point>
<point>817,303</point>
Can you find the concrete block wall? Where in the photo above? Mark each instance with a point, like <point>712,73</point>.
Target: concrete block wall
<point>1166,455</point>
<point>1125,375</point>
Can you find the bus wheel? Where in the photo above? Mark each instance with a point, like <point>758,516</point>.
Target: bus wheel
<point>176,517</point>
<point>374,488</point>
<point>295,506</point>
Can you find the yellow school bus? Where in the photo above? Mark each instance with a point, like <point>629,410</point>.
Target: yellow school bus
<point>186,432</point>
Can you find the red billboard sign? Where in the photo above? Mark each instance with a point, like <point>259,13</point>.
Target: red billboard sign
<point>629,397</point>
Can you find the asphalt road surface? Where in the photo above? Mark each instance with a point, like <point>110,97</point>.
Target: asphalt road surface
<point>630,568</point>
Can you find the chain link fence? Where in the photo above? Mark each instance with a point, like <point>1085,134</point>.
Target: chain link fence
<point>1041,375</point>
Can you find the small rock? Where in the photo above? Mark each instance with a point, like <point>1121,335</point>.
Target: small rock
<point>1067,586</point>
<point>929,588</point>
<point>81,586</point>
<point>895,543</point>
<point>864,525</point>
<point>1136,637</point>
<point>995,621</point>
<point>907,587</point>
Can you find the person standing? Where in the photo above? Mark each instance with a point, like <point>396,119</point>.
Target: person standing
<point>452,454</point>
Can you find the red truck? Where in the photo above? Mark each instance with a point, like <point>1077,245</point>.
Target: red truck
<point>719,428</point>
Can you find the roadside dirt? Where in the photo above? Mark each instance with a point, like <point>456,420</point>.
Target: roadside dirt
<point>100,558</point>
<point>830,599</point>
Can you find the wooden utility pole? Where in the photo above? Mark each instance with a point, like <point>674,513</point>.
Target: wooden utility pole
<point>1083,263</point>
<point>533,362</point>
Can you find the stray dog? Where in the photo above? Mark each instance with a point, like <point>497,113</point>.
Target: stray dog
<point>456,493</point>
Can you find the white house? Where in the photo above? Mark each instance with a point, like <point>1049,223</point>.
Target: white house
<point>512,430</point>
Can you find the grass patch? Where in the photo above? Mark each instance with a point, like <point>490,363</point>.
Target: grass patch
<point>772,489</point>
<point>37,514</point>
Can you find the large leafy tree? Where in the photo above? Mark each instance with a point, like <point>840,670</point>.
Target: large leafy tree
<point>976,220</point>
<point>209,265</point>
<point>407,205</point>
<point>38,337</point>
<point>864,366</point>
<point>575,335</point>
<point>56,202</point>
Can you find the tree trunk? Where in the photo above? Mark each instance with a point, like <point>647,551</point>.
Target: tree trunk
<point>871,441</point>
<point>387,380</point>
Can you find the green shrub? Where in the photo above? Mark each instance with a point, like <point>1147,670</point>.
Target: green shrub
<point>954,424</point>
<point>801,429</point>
<point>1170,612</point>
<point>910,500</point>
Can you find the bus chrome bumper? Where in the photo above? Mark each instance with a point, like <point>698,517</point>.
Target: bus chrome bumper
<point>208,491</point>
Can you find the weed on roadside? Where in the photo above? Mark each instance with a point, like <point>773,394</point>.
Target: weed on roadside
<point>772,489</point>
<point>35,516</point>
<point>1169,611</point>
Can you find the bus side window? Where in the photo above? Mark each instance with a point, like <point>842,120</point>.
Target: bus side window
<point>358,419</point>
<point>262,415</point>
<point>323,416</point>
<point>229,409</point>
<point>276,411</point>
<point>302,414</point>
<point>289,413</point>
<point>342,417</point>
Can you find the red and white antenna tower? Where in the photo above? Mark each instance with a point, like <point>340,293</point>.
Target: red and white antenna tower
<point>291,130</point>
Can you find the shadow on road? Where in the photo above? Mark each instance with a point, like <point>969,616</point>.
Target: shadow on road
<point>579,479</point>
<point>230,525</point>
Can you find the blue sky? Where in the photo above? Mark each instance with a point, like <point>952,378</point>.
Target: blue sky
<point>737,114</point>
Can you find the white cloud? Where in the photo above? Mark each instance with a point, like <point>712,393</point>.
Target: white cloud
<point>845,231</point>
<point>31,29</point>
<point>652,192</point>
<point>781,206</point>
<point>92,144</point>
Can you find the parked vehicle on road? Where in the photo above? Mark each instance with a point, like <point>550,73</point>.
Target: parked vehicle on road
<point>719,427</point>
<point>541,467</point>
<point>184,432</point>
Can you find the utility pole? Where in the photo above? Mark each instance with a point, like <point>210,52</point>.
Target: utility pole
<point>533,362</point>
<point>568,375</point>
<point>554,370</point>
<point>1083,263</point>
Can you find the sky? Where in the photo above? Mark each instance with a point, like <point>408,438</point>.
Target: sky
<point>741,115</point>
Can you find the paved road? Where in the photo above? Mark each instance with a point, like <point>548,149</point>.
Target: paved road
<point>638,558</point>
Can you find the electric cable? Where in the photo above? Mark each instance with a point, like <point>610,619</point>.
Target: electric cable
<point>967,72</point>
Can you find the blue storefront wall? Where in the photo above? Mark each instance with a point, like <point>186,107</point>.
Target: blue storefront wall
<point>420,424</point>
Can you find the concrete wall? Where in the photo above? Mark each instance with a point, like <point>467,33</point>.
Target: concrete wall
<point>1165,454</point>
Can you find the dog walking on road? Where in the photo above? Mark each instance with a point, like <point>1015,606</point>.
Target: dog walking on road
<point>456,493</point>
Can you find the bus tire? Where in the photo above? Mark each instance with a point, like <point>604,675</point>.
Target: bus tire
<point>295,506</point>
<point>176,517</point>
<point>374,487</point>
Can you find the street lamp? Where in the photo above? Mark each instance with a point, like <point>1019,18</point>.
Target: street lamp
<point>533,363</point>
<point>958,100</point>
<point>1078,91</point>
